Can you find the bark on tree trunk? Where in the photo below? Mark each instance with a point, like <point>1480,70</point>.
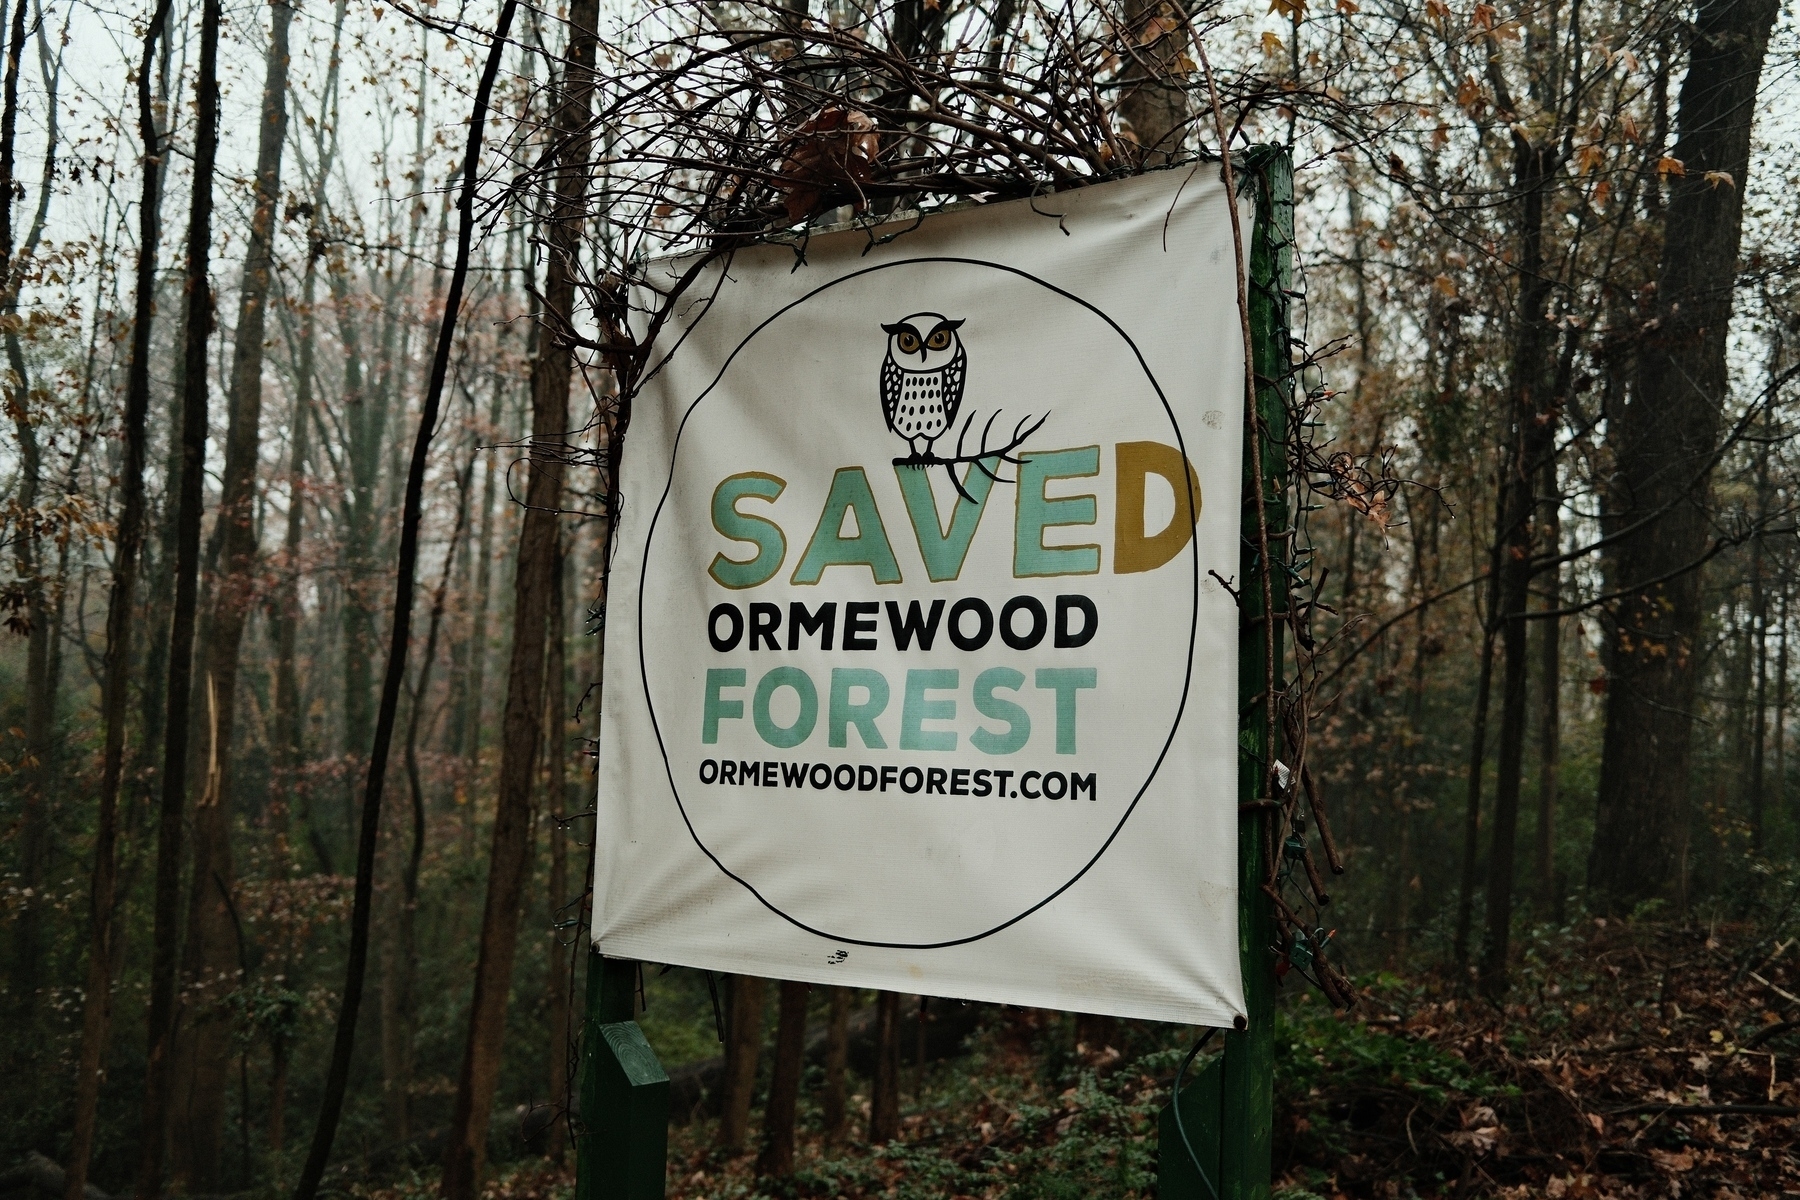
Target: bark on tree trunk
<point>558,975</point>
<point>1666,442</point>
<point>103,942</point>
<point>534,584</point>
<point>1532,441</point>
<point>179,703</point>
<point>777,1158</point>
<point>837,1059</point>
<point>884,1099</point>
<point>202,1055</point>
<point>1549,703</point>
<point>39,682</point>
<point>1154,102</point>
<point>743,1047</point>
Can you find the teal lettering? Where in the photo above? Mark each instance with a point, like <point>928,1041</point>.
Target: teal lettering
<point>917,709</point>
<point>764,534</point>
<point>842,713</point>
<point>830,548</point>
<point>719,709</point>
<point>1018,721</point>
<point>1065,682</point>
<point>1038,512</point>
<point>945,549</point>
<point>766,728</point>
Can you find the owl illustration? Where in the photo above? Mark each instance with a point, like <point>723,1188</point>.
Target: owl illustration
<point>922,380</point>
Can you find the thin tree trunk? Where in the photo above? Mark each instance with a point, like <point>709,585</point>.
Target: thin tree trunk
<point>1666,439</point>
<point>103,941</point>
<point>534,584</point>
<point>178,708</point>
<point>558,975</point>
<point>884,1101</point>
<point>203,1047</point>
<point>337,1079</point>
<point>39,684</point>
<point>1781,700</point>
<point>743,1047</point>
<point>1471,840</point>
<point>1532,409</point>
<point>1549,703</point>
<point>837,1059</point>
<point>777,1158</point>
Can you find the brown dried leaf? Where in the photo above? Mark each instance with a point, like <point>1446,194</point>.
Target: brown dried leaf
<point>834,152</point>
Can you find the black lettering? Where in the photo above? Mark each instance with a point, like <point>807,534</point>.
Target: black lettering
<point>915,626</point>
<point>1040,621</point>
<point>859,618</point>
<point>959,781</point>
<point>821,776</point>
<point>1061,788</point>
<point>1067,639</point>
<point>844,778</point>
<point>985,627</point>
<point>749,774</point>
<point>934,781</point>
<point>1081,783</point>
<point>888,775</point>
<point>728,772</point>
<point>865,779</point>
<point>793,774</point>
<point>1026,778</point>
<point>704,764</point>
<point>918,780</point>
<point>765,619</point>
<point>802,622</point>
<point>982,786</point>
<point>1002,777</point>
<point>769,778</point>
<point>736,619</point>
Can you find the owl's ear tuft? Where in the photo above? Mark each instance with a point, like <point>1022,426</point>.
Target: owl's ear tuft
<point>950,325</point>
<point>896,327</point>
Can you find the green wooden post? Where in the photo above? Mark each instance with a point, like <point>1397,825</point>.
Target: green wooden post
<point>622,1139</point>
<point>1228,1106</point>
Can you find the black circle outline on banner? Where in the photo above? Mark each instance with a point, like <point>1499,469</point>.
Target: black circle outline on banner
<point>1193,621</point>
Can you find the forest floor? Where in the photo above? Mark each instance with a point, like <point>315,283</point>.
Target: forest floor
<point>1631,1060</point>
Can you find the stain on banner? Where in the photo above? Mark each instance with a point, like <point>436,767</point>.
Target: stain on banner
<point>917,675</point>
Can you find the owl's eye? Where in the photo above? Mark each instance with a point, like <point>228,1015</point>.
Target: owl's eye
<point>938,340</point>
<point>909,343</point>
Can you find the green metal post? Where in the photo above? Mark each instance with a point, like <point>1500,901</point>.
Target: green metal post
<point>1228,1106</point>
<point>622,1138</point>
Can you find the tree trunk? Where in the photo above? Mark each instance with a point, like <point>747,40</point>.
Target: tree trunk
<point>40,719</point>
<point>1154,101</point>
<point>103,939</point>
<point>178,707</point>
<point>743,1047</point>
<point>1549,631</point>
<point>203,1050</point>
<point>837,1059</point>
<point>1666,441</point>
<point>777,1158</point>
<point>1532,442</point>
<point>534,584</point>
<point>884,1100</point>
<point>558,976</point>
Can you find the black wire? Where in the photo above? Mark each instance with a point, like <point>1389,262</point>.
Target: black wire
<point>1180,1125</point>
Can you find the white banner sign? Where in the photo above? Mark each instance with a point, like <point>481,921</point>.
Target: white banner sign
<point>917,676</point>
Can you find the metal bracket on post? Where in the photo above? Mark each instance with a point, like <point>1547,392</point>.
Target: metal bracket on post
<point>622,1138</point>
<point>1228,1107</point>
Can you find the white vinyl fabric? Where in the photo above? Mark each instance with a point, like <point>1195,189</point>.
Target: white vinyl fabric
<point>917,673</point>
